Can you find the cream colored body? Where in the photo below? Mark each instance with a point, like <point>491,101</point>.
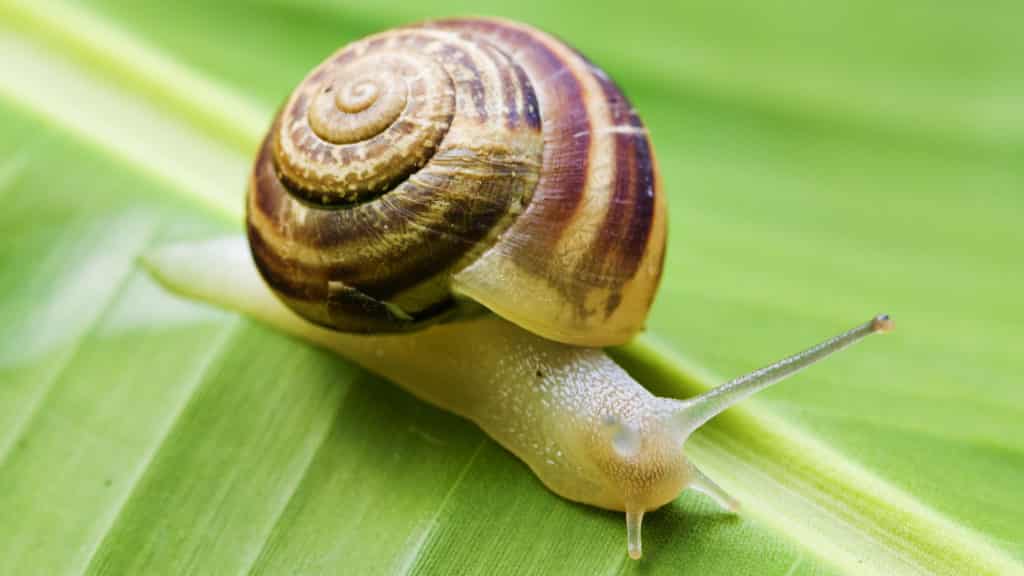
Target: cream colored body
<point>588,430</point>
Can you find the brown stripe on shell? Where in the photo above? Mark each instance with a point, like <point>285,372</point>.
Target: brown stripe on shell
<point>444,238</point>
<point>566,141</point>
<point>589,230</point>
<point>283,276</point>
<point>318,293</point>
<point>268,201</point>
<point>520,99</point>
<point>265,179</point>
<point>627,226</point>
<point>618,250</point>
<point>417,231</point>
<point>334,304</point>
<point>471,81</point>
<point>501,62</point>
<point>529,98</point>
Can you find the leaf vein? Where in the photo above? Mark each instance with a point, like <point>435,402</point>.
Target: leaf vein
<point>193,384</point>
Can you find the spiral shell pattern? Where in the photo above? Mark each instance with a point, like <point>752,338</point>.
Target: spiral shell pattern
<point>422,172</point>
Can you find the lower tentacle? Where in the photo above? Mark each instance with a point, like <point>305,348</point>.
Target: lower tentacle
<point>705,485</point>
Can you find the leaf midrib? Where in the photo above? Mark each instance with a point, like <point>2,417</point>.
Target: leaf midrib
<point>105,49</point>
<point>241,134</point>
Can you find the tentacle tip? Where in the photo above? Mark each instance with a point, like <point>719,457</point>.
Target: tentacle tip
<point>882,324</point>
<point>634,520</point>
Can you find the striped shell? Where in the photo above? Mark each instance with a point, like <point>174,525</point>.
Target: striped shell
<point>419,173</point>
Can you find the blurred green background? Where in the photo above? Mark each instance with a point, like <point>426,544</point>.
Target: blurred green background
<point>823,161</point>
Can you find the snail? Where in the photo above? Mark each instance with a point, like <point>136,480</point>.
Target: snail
<point>472,209</point>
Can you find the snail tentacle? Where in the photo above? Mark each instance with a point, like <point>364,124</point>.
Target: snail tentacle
<point>701,483</point>
<point>693,413</point>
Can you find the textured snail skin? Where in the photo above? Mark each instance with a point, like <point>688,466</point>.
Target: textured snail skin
<point>419,173</point>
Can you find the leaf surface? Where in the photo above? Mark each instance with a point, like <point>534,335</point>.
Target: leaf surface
<point>823,163</point>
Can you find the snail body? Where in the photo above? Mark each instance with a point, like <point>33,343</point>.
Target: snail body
<point>471,209</point>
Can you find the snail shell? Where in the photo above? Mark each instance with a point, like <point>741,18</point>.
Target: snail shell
<point>419,173</point>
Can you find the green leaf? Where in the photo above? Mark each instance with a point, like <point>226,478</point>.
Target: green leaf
<point>824,162</point>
